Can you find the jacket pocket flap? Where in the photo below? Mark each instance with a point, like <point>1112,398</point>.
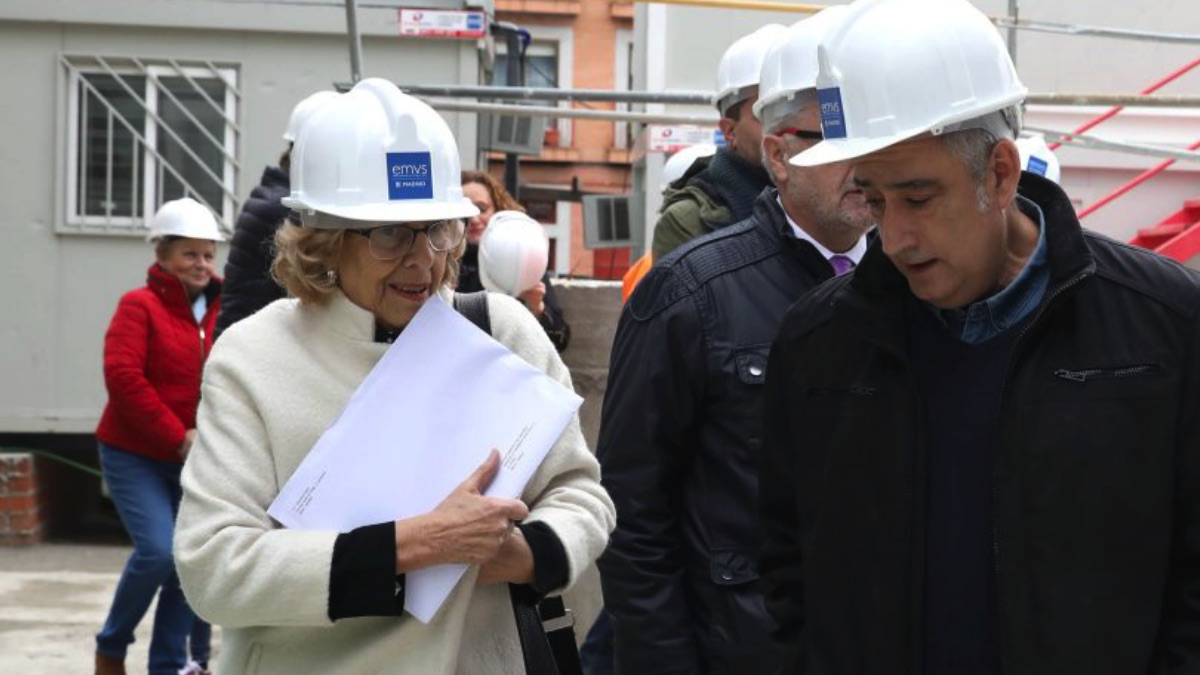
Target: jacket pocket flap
<point>730,567</point>
<point>752,365</point>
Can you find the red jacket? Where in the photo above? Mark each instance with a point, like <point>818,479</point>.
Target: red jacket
<point>154,354</point>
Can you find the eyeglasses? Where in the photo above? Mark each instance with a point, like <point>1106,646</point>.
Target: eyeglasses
<point>806,134</point>
<point>388,242</point>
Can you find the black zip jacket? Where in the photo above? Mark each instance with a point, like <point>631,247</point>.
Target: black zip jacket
<point>1095,485</point>
<point>248,283</point>
<point>679,437</point>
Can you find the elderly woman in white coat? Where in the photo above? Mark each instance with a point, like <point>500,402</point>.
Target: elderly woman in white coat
<point>376,185</point>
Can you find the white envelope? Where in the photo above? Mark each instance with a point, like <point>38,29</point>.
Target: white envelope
<point>443,395</point>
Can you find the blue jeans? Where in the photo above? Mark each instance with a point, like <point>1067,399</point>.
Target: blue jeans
<point>146,493</point>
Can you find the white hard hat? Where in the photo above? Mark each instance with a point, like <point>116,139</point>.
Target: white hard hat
<point>184,218</point>
<point>376,154</point>
<point>1037,157</point>
<point>513,253</point>
<point>304,110</point>
<point>740,66</point>
<point>790,64</point>
<point>896,69</point>
<point>678,163</point>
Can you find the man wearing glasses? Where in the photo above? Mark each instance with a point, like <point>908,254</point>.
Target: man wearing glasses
<point>679,435</point>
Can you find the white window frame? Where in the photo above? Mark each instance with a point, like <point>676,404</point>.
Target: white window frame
<point>621,77</point>
<point>73,221</point>
<point>564,39</point>
<point>560,232</point>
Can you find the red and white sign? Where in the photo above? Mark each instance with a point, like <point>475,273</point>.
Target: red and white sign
<point>672,138</point>
<point>437,23</point>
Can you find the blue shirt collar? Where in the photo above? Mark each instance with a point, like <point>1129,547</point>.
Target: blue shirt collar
<point>988,318</point>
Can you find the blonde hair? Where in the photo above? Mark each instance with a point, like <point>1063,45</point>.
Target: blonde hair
<point>305,256</point>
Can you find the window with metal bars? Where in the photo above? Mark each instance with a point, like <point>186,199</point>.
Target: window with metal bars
<point>143,132</point>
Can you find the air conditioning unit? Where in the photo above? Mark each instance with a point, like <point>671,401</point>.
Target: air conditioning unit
<point>512,134</point>
<point>613,221</point>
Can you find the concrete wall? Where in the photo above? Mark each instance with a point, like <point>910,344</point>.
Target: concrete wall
<point>592,308</point>
<point>60,289</point>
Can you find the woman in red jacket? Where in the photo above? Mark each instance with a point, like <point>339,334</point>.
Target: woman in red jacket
<point>154,352</point>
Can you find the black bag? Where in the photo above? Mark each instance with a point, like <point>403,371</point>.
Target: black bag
<point>546,628</point>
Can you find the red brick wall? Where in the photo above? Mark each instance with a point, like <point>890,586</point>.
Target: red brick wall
<point>20,501</point>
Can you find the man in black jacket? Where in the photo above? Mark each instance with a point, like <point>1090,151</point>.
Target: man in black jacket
<point>981,451</point>
<point>679,435</point>
<point>249,285</point>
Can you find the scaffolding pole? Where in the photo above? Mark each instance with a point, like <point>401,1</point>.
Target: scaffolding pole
<point>356,68</point>
<point>705,97</point>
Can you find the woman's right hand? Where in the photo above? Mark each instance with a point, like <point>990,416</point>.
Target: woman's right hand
<point>466,528</point>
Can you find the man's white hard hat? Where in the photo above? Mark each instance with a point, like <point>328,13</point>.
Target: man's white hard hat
<point>1037,157</point>
<point>184,217</point>
<point>513,253</point>
<point>790,64</point>
<point>683,159</point>
<point>304,110</point>
<point>896,69</point>
<point>376,154</point>
<point>739,67</point>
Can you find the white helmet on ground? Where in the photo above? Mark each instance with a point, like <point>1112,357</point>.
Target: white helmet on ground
<point>790,64</point>
<point>513,253</point>
<point>184,218</point>
<point>683,159</point>
<point>740,65</point>
<point>376,154</point>
<point>304,110</point>
<point>1037,157</point>
<point>896,69</point>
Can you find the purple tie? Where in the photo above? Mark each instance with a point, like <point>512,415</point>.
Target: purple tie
<point>841,264</point>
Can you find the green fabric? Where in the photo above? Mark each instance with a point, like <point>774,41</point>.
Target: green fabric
<point>687,213</point>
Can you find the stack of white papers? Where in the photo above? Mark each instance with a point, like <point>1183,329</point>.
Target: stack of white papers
<point>443,395</point>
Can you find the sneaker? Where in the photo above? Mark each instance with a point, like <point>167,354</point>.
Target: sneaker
<point>193,668</point>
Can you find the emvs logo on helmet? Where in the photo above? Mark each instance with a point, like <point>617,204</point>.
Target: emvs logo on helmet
<point>833,118</point>
<point>409,175</point>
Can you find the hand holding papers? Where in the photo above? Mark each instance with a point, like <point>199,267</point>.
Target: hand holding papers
<point>427,415</point>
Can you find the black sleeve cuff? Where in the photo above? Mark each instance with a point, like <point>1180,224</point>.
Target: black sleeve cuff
<point>551,570</point>
<point>362,577</point>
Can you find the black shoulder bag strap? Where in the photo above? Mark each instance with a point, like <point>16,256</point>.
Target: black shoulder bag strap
<point>546,629</point>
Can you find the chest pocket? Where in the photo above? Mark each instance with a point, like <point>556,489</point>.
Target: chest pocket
<point>752,365</point>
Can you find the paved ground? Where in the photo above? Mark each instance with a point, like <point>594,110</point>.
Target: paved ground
<point>53,599</point>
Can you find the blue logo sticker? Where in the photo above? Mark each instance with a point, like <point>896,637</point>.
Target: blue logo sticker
<point>409,175</point>
<point>833,116</point>
<point>474,21</point>
<point>1038,166</point>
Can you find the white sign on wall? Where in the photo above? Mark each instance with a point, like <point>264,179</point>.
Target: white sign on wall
<point>672,138</point>
<point>436,23</point>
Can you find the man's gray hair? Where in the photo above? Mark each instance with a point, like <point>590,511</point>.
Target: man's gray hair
<point>782,114</point>
<point>973,140</point>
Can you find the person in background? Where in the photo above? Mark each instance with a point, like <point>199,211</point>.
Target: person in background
<point>154,353</point>
<point>489,196</point>
<point>721,190</point>
<point>369,252</point>
<point>981,451</point>
<point>248,283</point>
<point>679,433</point>
<point>674,168</point>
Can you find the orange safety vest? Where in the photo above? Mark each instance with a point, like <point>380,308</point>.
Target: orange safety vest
<point>634,274</point>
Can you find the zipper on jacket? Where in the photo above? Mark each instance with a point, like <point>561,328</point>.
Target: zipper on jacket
<point>1082,376</point>
<point>1070,283</point>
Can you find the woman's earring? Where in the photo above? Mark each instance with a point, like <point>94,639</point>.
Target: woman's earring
<point>332,277</point>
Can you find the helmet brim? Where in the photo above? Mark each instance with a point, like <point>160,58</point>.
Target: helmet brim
<point>831,151</point>
<point>389,212</point>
